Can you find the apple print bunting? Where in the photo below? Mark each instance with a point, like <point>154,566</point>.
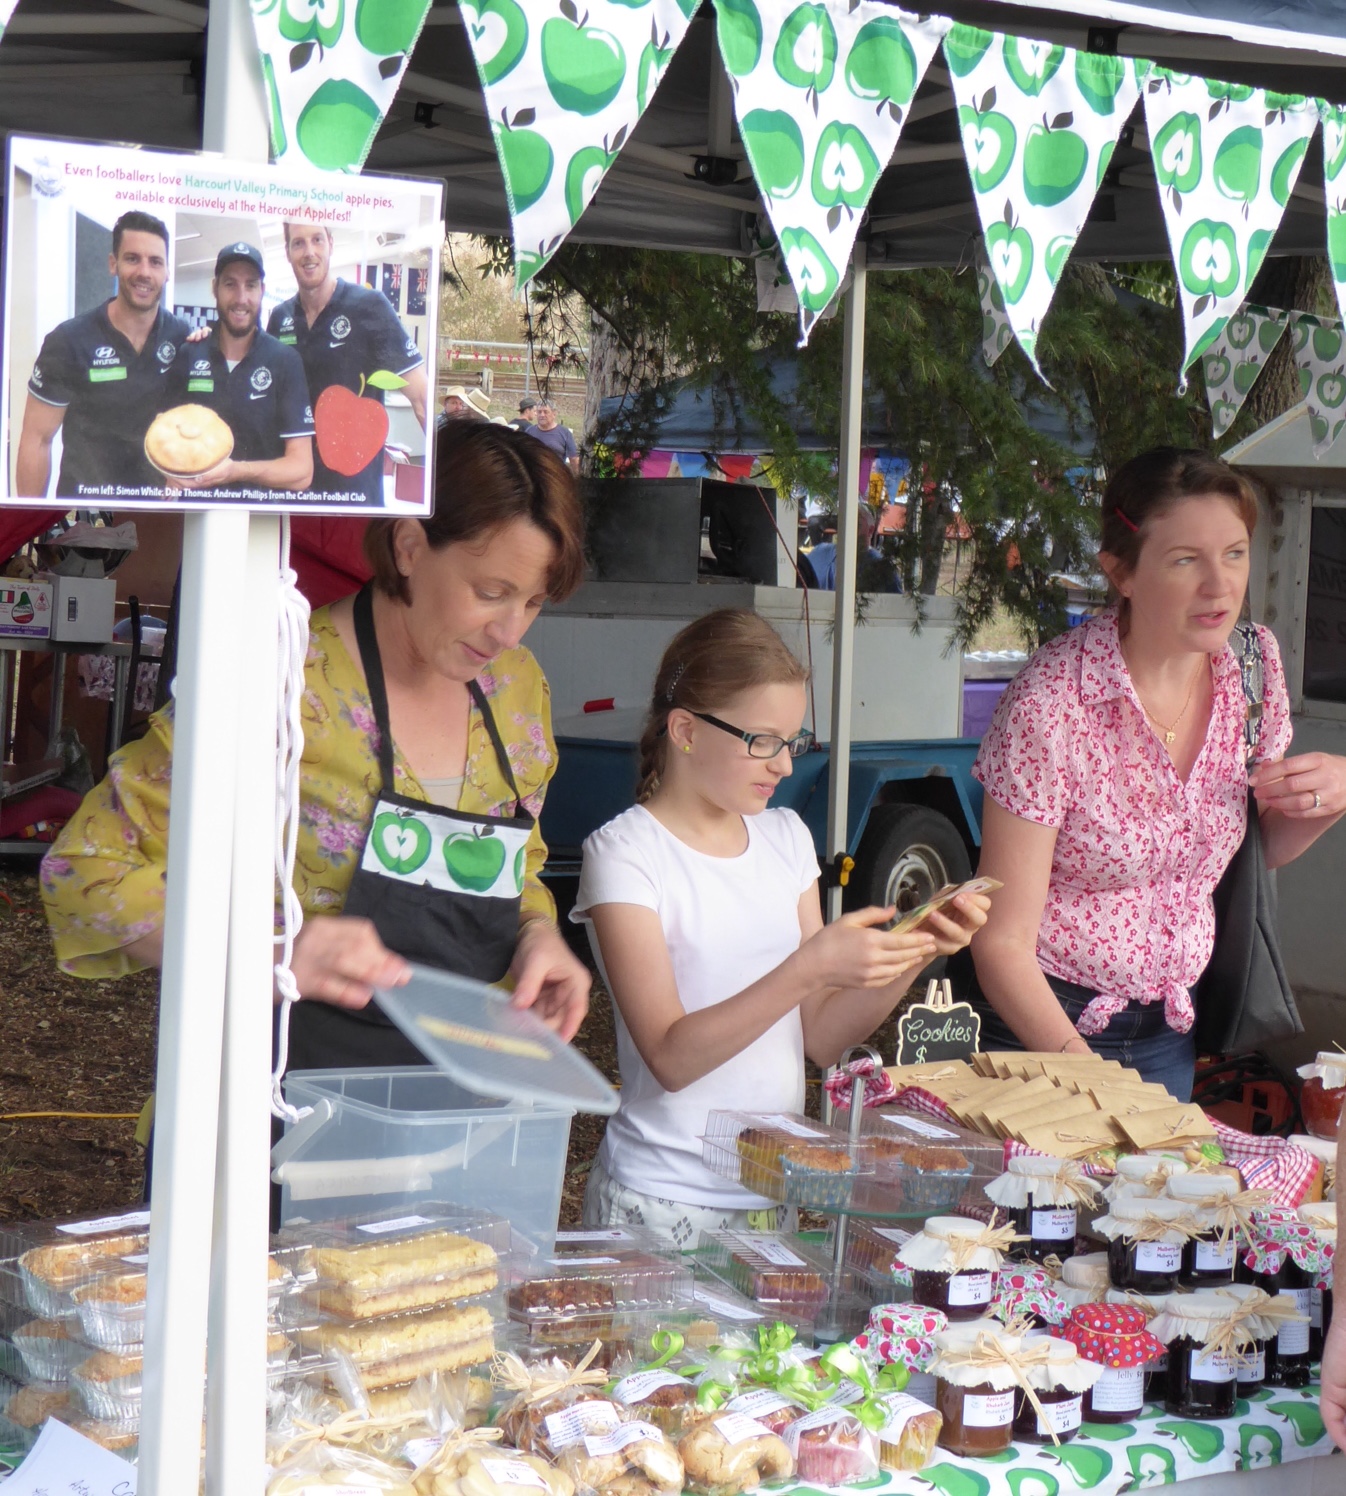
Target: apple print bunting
<point>1334,181</point>
<point>820,93</point>
<point>1320,356</point>
<point>1039,123</point>
<point>1226,157</point>
<point>331,69</point>
<point>1233,362</point>
<point>6,11</point>
<point>996,330</point>
<point>566,82</point>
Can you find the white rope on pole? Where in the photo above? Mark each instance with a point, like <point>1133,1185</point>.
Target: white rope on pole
<point>294,634</point>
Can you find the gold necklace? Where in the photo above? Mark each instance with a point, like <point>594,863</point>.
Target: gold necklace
<point>1171,732</point>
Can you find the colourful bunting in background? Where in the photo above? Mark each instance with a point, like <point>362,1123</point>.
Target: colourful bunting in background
<point>820,93</point>
<point>1334,181</point>
<point>1320,355</point>
<point>1039,124</point>
<point>1227,158</point>
<point>6,11</point>
<point>996,331</point>
<point>1232,363</point>
<point>566,82</point>
<point>331,70</point>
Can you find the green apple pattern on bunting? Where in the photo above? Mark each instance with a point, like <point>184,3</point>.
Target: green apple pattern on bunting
<point>566,82</point>
<point>6,11</point>
<point>1226,157</point>
<point>1320,357</point>
<point>1334,181</point>
<point>1039,123</point>
<point>821,93</point>
<point>996,331</point>
<point>1233,362</point>
<point>331,69</point>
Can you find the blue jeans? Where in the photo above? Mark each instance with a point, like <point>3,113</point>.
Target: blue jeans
<point>1138,1037</point>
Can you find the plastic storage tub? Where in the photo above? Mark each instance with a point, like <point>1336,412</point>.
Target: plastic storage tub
<point>383,1140</point>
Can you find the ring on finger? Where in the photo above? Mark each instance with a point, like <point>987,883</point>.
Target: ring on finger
<point>1317,800</point>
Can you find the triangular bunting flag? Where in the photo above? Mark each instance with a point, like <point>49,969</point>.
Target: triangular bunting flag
<point>6,11</point>
<point>1320,354</point>
<point>1039,124</point>
<point>820,93</point>
<point>1227,158</point>
<point>996,331</point>
<point>1334,182</point>
<point>565,84</point>
<point>331,71</point>
<point>1234,360</point>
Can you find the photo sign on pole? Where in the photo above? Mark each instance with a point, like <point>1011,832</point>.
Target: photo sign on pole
<point>191,332</point>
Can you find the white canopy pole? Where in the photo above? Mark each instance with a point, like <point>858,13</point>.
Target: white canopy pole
<point>843,628</point>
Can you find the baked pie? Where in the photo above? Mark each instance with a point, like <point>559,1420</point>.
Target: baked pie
<point>188,440</point>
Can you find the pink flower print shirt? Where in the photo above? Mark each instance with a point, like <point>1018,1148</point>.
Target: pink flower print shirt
<point>1138,852</point>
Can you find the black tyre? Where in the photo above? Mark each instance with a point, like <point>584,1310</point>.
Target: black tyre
<point>907,853</point>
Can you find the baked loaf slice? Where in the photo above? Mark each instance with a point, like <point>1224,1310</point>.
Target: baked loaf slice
<point>113,1288</point>
<point>63,1264</point>
<point>35,1403</point>
<point>395,1277</point>
<point>400,1350</point>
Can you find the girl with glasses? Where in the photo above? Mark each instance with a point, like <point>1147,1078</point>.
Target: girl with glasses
<point>703,912</point>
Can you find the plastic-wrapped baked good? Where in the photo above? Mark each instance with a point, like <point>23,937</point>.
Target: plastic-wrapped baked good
<point>820,1178</point>
<point>399,1272</point>
<point>46,1349</point>
<point>907,1441</point>
<point>563,1309</point>
<point>107,1384</point>
<point>493,1472</point>
<point>766,1406</point>
<point>633,1459</point>
<point>928,1177</point>
<point>729,1453</point>
<point>833,1448</point>
<point>659,1397</point>
<point>768,1269</point>
<point>403,1347</point>
<point>52,1261</point>
<point>121,1438</point>
<point>315,1466</point>
<point>111,1310</point>
<point>32,1405</point>
<point>552,1390</point>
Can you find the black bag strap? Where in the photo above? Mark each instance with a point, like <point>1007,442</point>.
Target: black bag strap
<point>1248,651</point>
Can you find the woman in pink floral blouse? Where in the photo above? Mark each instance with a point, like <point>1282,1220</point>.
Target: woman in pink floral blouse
<point>1116,790</point>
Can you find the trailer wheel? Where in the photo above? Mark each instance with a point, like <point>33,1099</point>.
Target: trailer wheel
<point>907,853</point>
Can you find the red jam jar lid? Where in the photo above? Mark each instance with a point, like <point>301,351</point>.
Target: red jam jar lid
<point>1112,1335</point>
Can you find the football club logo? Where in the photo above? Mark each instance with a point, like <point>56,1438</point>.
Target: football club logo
<point>261,379</point>
<point>341,327</point>
<point>167,352</point>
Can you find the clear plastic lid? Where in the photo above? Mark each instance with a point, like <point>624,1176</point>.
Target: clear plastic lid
<point>472,1033</point>
<point>54,1258</point>
<point>781,1272</point>
<point>559,1290</point>
<point>784,1156</point>
<point>625,1243</point>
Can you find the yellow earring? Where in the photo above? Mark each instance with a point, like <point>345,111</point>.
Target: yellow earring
<point>686,747</point>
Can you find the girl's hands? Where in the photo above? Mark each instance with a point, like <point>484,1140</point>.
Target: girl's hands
<point>851,952</point>
<point>1306,787</point>
<point>954,926</point>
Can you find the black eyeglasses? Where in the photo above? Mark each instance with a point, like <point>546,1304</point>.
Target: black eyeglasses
<point>763,744</point>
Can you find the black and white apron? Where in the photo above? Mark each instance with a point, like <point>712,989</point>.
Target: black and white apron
<point>441,887</point>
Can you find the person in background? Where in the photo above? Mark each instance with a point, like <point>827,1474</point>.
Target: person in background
<point>559,438</point>
<point>462,403</point>
<point>1116,778</point>
<point>873,572</point>
<point>527,413</point>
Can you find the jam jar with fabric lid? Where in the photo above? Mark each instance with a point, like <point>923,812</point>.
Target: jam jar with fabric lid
<point>1059,1377</point>
<point>1206,1340</point>
<point>953,1262</point>
<point>1024,1291</point>
<point>1284,1259</point>
<point>903,1335</point>
<point>1114,1337</point>
<point>1142,1174</point>
<point>1043,1196</point>
<point>1084,1278</point>
<point>1323,1092</point>
<point>1156,1370</point>
<point>975,1382</point>
<point>1208,1257</point>
<point>1321,1216</point>
<point>1249,1302</point>
<point>1145,1240</point>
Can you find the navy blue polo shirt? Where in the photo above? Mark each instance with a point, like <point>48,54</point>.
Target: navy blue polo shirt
<point>263,399</point>
<point>355,335</point>
<point>110,394</point>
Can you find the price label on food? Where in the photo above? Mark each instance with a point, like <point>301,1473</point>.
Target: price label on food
<point>758,1403</point>
<point>612,1234</point>
<point>778,1253</point>
<point>397,1223</point>
<point>512,1473</point>
<point>723,1307</point>
<point>619,1438</point>
<point>791,1125</point>
<point>919,1126</point>
<point>570,1427</point>
<point>638,1386</point>
<point>736,1428</point>
<point>134,1220</point>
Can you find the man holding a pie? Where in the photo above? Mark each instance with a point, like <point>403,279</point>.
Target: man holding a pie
<point>238,416</point>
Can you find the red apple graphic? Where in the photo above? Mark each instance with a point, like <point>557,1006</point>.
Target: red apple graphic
<point>350,428</point>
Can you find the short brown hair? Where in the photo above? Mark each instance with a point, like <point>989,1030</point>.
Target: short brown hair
<point>1154,482</point>
<point>486,477</point>
<point>325,227</point>
<point>705,666</point>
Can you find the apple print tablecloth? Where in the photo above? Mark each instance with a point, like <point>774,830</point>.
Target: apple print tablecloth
<point>1272,1428</point>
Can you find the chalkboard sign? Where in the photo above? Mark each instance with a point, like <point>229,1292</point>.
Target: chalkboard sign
<point>937,1029</point>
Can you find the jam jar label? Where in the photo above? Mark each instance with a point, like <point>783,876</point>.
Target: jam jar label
<point>1293,1340</point>
<point>1052,1225</point>
<point>970,1288</point>
<point>1211,1366</point>
<point>1120,1389</point>
<point>1215,1257</point>
<point>995,1410</point>
<point>1061,1417</point>
<point>1316,1309</point>
<point>1157,1257</point>
<point>1254,1368</point>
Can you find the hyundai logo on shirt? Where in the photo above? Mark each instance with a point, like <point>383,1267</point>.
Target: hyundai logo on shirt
<point>107,365</point>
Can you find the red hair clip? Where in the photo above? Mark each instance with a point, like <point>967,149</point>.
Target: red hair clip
<point>1127,521</point>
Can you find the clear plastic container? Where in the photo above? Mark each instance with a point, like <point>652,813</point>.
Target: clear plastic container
<point>52,1259</point>
<point>35,1350</point>
<point>402,1347</point>
<point>111,1308</point>
<point>922,1166</point>
<point>121,1437</point>
<point>28,1406</point>
<point>869,1253</point>
<point>620,1242</point>
<point>782,1274</point>
<point>572,1299</point>
<point>783,1156</point>
<point>107,1386</point>
<point>365,1266</point>
<point>393,1140</point>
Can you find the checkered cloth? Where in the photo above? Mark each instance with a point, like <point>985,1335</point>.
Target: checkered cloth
<point>1266,1163</point>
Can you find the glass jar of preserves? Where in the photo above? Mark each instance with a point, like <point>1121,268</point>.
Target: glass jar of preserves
<point>1043,1196</point>
<point>1208,1257</point>
<point>1206,1339</point>
<point>1145,1241</point>
<point>1321,1217</point>
<point>1250,1371</point>
<point>1114,1337</point>
<point>1157,1370</point>
<point>953,1262</point>
<point>1289,1355</point>
<point>1059,1377</point>
<point>1024,1291</point>
<point>1143,1174</point>
<point>1322,1094</point>
<point>975,1382</point>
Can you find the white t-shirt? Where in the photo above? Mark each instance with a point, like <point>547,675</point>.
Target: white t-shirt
<point>727,922</point>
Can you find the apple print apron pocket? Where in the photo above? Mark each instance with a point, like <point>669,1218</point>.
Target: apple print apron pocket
<point>441,887</point>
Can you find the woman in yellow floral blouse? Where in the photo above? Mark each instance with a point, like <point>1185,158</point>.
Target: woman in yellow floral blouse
<point>437,860</point>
